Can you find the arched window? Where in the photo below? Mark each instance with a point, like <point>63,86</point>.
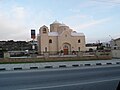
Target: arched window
<point>44,30</point>
<point>79,41</point>
<point>50,41</point>
<point>65,47</point>
<point>45,49</point>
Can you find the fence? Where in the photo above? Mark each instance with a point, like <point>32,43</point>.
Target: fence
<point>79,53</point>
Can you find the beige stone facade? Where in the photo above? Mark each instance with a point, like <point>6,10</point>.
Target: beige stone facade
<point>60,38</point>
<point>115,43</point>
<point>115,47</point>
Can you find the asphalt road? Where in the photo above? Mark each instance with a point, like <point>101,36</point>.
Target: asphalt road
<point>85,78</point>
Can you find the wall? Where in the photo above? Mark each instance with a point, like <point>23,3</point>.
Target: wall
<point>53,47</point>
<point>44,39</point>
<point>116,53</point>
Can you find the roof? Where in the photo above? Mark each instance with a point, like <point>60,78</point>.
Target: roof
<point>77,34</point>
<point>117,39</point>
<point>53,34</point>
<point>62,24</point>
<point>72,34</point>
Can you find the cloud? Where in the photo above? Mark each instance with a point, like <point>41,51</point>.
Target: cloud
<point>76,19</point>
<point>93,23</point>
<point>40,18</point>
<point>17,22</point>
<point>74,10</point>
<point>19,12</point>
<point>80,21</point>
<point>78,16</point>
<point>95,6</point>
<point>109,1</point>
<point>12,23</point>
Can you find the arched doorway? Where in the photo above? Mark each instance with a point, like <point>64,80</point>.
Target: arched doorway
<point>66,48</point>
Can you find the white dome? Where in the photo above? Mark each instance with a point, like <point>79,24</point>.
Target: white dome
<point>55,22</point>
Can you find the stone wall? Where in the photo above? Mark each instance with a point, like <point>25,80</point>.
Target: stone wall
<point>52,59</point>
<point>116,53</point>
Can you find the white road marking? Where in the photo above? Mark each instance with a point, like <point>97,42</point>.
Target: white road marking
<point>67,85</point>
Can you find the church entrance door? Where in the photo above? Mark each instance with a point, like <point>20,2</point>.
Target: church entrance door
<point>66,48</point>
<point>65,51</point>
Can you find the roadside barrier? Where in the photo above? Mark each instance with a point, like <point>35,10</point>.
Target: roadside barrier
<point>75,65</point>
<point>108,63</point>
<point>33,67</point>
<point>87,64</point>
<point>117,62</point>
<point>62,66</point>
<point>2,69</point>
<point>18,68</point>
<point>48,67</point>
<point>38,66</point>
<point>98,63</point>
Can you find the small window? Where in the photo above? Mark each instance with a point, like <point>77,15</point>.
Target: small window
<point>78,48</point>
<point>44,30</point>
<point>50,41</point>
<point>79,41</point>
<point>115,44</point>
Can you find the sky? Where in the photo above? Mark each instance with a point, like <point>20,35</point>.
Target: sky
<point>99,20</point>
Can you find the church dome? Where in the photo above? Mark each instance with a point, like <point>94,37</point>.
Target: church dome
<point>62,24</point>
<point>55,22</point>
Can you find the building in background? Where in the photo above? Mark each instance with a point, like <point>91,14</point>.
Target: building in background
<point>97,46</point>
<point>91,47</point>
<point>17,48</point>
<point>115,47</point>
<point>60,38</point>
<point>115,43</point>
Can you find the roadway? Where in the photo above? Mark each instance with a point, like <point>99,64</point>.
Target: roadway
<point>79,78</point>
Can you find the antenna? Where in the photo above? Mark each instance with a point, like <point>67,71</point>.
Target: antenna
<point>111,37</point>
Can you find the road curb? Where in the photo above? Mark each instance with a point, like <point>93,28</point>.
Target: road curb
<point>50,66</point>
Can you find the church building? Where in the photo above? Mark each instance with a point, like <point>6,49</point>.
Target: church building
<point>60,38</point>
